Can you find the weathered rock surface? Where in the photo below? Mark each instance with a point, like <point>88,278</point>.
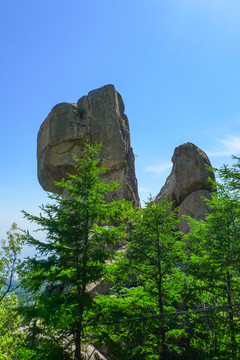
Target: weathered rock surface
<point>195,206</point>
<point>189,173</point>
<point>90,352</point>
<point>98,117</point>
<point>188,183</point>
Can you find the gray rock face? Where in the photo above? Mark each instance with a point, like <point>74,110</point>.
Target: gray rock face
<point>90,352</point>
<point>195,206</point>
<point>98,117</point>
<point>189,173</point>
<point>188,183</point>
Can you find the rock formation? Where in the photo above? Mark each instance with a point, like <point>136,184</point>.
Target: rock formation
<point>98,117</point>
<point>188,183</point>
<point>195,206</point>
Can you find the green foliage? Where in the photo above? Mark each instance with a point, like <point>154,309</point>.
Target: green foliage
<point>9,261</point>
<point>175,299</point>
<point>230,176</point>
<point>79,237</point>
<point>213,256</point>
<point>136,326</point>
<point>12,336</point>
<point>172,297</point>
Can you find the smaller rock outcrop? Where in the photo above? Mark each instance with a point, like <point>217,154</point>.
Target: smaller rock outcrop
<point>188,183</point>
<point>189,173</point>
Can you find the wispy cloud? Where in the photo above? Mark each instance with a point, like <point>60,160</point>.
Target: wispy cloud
<point>228,146</point>
<point>158,169</point>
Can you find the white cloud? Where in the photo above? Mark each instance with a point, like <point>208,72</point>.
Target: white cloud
<point>158,169</point>
<point>229,146</point>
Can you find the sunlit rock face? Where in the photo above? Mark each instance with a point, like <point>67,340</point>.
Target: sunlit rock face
<point>97,117</point>
<point>188,183</point>
<point>189,173</point>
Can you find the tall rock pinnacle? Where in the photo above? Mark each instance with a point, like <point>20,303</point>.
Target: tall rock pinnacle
<point>98,117</point>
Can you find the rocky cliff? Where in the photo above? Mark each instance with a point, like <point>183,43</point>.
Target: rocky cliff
<point>188,183</point>
<point>98,117</point>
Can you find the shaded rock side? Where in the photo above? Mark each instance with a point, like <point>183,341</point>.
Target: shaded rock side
<point>195,206</point>
<point>98,117</point>
<point>189,173</point>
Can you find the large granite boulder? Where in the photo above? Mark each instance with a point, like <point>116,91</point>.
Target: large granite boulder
<point>98,117</point>
<point>189,173</point>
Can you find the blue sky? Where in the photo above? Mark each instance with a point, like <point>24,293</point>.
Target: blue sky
<point>175,63</point>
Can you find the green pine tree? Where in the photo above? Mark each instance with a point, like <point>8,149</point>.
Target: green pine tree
<point>79,234</point>
<point>213,260</point>
<point>147,287</point>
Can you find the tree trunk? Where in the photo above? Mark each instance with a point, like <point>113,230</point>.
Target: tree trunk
<point>160,306</point>
<point>231,319</point>
<point>78,341</point>
<point>81,291</point>
<point>162,322</point>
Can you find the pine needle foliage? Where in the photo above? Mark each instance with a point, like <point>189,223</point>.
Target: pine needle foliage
<point>79,235</point>
<point>213,253</point>
<point>147,287</point>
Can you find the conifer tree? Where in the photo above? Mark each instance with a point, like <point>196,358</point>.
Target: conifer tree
<point>214,256</point>
<point>147,287</point>
<point>79,232</point>
<point>154,252</point>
